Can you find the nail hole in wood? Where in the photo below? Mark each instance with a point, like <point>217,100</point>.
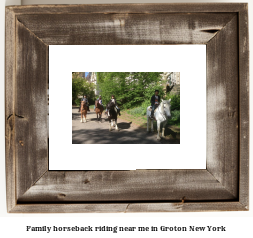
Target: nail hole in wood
<point>86,181</point>
<point>183,199</point>
<point>61,195</point>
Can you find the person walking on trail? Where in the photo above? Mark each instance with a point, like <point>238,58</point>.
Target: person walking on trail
<point>99,99</point>
<point>113,99</point>
<point>86,101</point>
<point>155,101</point>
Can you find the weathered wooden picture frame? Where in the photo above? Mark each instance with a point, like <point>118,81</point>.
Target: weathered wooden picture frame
<point>222,186</point>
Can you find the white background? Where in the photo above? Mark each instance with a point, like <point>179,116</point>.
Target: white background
<point>189,154</point>
<point>239,223</point>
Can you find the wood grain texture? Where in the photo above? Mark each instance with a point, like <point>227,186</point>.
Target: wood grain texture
<point>118,29</point>
<point>186,207</point>
<point>9,108</point>
<point>222,107</point>
<point>244,106</point>
<point>223,186</point>
<point>139,185</point>
<point>128,207</point>
<point>154,8</point>
<point>31,109</point>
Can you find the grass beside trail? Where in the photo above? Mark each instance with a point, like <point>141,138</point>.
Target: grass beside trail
<point>139,120</point>
<point>171,132</point>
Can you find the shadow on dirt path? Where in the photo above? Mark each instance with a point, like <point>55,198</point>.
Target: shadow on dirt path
<point>96,132</point>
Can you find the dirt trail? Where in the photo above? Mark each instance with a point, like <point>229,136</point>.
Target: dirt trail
<point>94,132</point>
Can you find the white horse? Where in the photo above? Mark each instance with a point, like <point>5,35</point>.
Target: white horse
<point>161,114</point>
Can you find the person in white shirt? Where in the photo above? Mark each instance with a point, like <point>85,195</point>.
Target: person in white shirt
<point>99,101</point>
<point>116,105</point>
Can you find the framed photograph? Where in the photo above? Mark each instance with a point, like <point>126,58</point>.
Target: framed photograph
<point>32,32</point>
<point>133,81</point>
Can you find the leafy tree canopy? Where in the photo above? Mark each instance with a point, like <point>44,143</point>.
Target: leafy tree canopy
<point>81,87</point>
<point>130,89</point>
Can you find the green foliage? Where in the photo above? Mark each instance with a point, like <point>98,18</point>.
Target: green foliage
<point>141,110</point>
<point>133,91</point>
<point>130,89</point>
<point>82,87</point>
<point>136,111</point>
<point>144,106</point>
<point>78,102</point>
<point>175,117</point>
<point>150,91</point>
<point>175,101</point>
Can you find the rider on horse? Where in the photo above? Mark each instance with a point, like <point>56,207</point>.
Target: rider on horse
<point>115,102</point>
<point>155,101</point>
<point>99,101</point>
<point>86,101</point>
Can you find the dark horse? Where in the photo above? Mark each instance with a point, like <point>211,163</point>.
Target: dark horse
<point>112,115</point>
<point>99,109</point>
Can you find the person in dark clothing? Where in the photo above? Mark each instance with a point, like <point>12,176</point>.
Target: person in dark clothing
<point>155,101</point>
<point>87,103</point>
<point>116,105</point>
